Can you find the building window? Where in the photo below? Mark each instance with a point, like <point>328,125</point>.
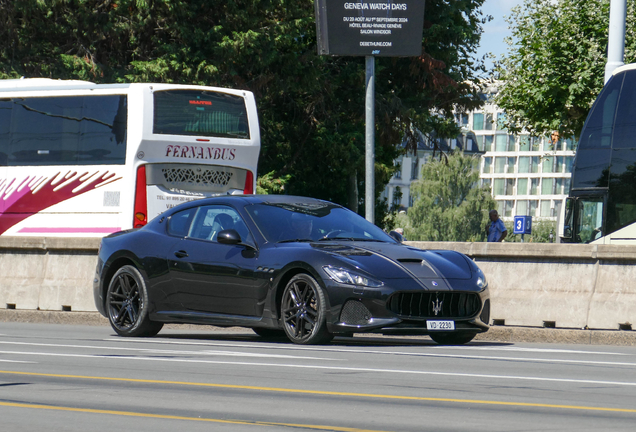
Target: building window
<point>536,144</point>
<point>569,162</point>
<point>524,164</point>
<point>548,164</point>
<point>522,186</point>
<point>500,186</point>
<point>533,207</point>
<point>534,186</point>
<point>522,208</point>
<point>511,165</point>
<point>398,172</point>
<point>501,121</point>
<point>488,123</point>
<point>500,165</point>
<point>487,165</point>
<point>546,186</point>
<point>524,143</point>
<point>511,143</point>
<point>415,168</point>
<point>486,182</point>
<point>478,121</point>
<point>547,144</point>
<point>534,164</point>
<point>545,208</point>
<point>501,143</point>
<point>510,186</point>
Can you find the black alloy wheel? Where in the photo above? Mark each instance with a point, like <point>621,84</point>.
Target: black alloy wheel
<point>452,338</point>
<point>303,311</point>
<point>126,302</point>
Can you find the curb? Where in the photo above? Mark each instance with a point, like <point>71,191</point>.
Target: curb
<point>495,334</point>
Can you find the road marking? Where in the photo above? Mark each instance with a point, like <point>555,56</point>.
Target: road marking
<point>324,393</point>
<point>345,350</point>
<point>16,361</point>
<point>171,417</point>
<point>319,367</point>
<point>157,351</point>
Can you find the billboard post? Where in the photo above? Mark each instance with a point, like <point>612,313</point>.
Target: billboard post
<point>370,28</point>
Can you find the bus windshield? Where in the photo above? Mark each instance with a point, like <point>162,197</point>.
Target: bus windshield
<point>200,113</point>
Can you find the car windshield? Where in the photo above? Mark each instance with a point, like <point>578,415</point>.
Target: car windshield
<point>312,222</point>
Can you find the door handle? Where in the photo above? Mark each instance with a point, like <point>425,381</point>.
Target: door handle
<point>181,254</point>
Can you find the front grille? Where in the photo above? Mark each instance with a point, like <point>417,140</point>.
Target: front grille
<point>199,177</point>
<point>434,304</point>
<point>355,313</point>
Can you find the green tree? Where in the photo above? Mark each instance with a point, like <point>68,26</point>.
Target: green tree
<point>555,64</point>
<point>311,107</point>
<point>448,203</point>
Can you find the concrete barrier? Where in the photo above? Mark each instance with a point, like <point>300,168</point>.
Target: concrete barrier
<point>561,285</point>
<point>568,286</point>
<point>47,273</point>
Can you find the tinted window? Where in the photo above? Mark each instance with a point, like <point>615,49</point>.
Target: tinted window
<point>625,125</point>
<point>597,132</point>
<point>592,168</point>
<point>70,130</point>
<point>179,223</point>
<point>210,220</point>
<point>621,203</point>
<point>200,113</point>
<point>303,221</point>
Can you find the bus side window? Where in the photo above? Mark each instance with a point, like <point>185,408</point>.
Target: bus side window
<point>597,132</point>
<point>625,125</point>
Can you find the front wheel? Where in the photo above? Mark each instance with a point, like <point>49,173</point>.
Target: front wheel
<point>452,338</point>
<point>303,309</point>
<point>127,304</point>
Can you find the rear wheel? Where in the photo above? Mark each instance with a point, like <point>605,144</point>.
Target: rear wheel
<point>452,338</point>
<point>303,309</point>
<point>127,304</point>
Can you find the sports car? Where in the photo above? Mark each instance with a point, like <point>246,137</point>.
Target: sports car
<point>287,266</point>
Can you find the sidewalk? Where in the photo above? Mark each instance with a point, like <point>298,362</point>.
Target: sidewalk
<point>495,334</point>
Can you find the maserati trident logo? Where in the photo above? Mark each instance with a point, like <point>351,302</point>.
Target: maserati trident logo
<point>437,306</point>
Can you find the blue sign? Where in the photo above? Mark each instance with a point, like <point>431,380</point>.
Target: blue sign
<point>523,225</point>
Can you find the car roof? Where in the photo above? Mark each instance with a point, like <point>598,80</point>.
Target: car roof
<point>261,199</point>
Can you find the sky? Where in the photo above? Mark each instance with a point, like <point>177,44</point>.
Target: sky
<point>497,29</point>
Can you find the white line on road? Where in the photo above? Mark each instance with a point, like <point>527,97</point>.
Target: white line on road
<point>329,368</point>
<point>400,353</point>
<point>172,352</point>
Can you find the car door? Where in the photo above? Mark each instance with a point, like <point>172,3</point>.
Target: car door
<point>211,277</point>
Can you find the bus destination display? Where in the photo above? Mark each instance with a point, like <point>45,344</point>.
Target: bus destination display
<point>370,27</point>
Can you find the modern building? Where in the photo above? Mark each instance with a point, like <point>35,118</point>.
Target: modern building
<point>528,175</point>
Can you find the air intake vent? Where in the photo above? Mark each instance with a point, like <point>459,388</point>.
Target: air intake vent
<point>410,260</point>
<point>199,177</point>
<point>355,313</point>
<point>431,304</point>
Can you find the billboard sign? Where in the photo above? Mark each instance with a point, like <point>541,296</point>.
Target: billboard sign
<point>385,28</point>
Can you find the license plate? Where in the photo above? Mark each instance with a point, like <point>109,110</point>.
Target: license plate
<point>440,325</point>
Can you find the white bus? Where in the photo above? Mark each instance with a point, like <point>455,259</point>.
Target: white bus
<point>85,159</point>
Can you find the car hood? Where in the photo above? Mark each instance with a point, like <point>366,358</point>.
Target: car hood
<point>395,261</point>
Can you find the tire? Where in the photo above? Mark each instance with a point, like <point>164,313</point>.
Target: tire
<point>452,338</point>
<point>269,333</point>
<point>303,311</point>
<point>127,304</point>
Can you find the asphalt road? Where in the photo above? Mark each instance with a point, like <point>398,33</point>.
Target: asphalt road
<point>81,378</point>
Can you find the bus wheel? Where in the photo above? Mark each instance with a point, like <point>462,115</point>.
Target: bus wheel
<point>127,304</point>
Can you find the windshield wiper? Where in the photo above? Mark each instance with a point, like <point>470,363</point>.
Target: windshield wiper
<point>295,240</point>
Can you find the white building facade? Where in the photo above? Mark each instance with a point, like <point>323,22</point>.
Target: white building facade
<point>528,176</point>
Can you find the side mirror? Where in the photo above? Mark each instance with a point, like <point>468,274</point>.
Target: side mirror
<point>229,236</point>
<point>397,236</point>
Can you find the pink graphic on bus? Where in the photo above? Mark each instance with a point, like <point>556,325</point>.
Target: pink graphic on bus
<point>20,199</point>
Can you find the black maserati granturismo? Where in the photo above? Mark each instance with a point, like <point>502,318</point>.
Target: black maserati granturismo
<point>284,265</point>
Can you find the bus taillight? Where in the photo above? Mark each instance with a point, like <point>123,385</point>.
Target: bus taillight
<point>141,203</point>
<point>249,183</point>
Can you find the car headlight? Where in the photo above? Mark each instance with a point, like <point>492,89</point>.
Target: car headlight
<point>349,277</point>
<point>481,280</point>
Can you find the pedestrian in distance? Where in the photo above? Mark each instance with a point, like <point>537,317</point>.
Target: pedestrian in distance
<point>496,230</point>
